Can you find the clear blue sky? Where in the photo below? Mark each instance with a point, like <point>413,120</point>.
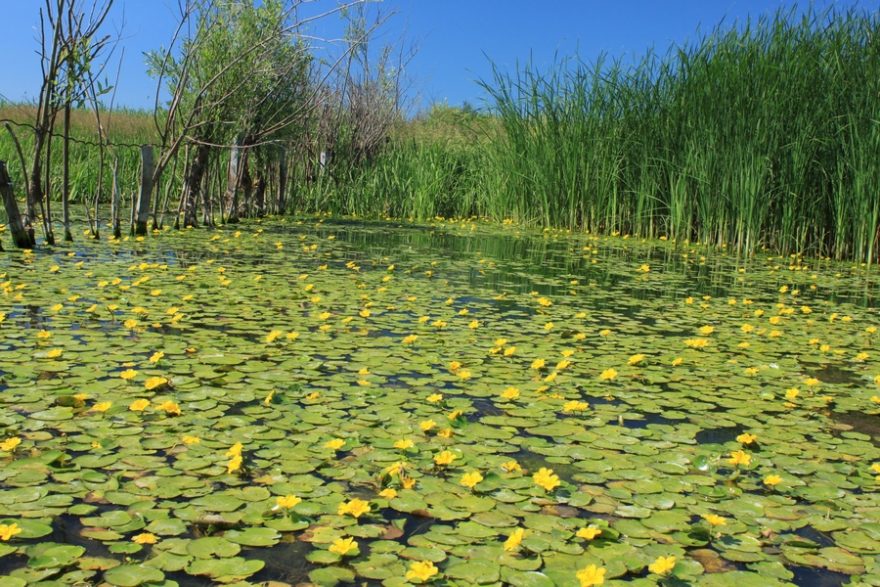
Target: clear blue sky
<point>455,38</point>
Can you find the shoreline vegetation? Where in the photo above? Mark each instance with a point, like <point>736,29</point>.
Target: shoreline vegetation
<point>757,136</point>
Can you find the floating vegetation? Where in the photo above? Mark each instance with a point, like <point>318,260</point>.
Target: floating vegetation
<point>450,404</point>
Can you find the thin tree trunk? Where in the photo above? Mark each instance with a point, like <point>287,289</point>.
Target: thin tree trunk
<point>47,194</point>
<point>194,186</point>
<point>146,188</point>
<point>282,182</point>
<point>260,196</point>
<point>114,202</point>
<point>65,173</point>
<point>20,236</point>
<point>233,179</point>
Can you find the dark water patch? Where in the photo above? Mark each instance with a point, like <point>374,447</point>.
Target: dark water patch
<point>285,562</point>
<point>814,535</point>
<point>868,424</point>
<point>718,435</point>
<point>643,420</point>
<point>812,577</point>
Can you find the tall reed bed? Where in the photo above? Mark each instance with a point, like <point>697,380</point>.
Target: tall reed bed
<point>759,135</point>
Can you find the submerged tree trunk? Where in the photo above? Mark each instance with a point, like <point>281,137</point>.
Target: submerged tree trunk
<point>146,188</point>
<point>260,196</point>
<point>193,186</point>
<point>20,236</point>
<point>281,196</point>
<point>233,180</point>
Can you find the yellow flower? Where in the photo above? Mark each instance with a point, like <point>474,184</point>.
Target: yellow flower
<point>811,382</point>
<point>435,398</point>
<point>574,406</point>
<point>677,361</point>
<point>427,425</point>
<point>42,334</point>
<point>747,328</point>
<point>335,444</point>
<point>54,353</point>
<point>128,374</point>
<point>145,538</point>
<point>511,467</point>
<point>421,571</point>
<point>588,532</point>
<point>705,330</point>
<point>404,444</point>
<point>772,480</point>
<point>139,405</point>
<point>10,444</point>
<point>101,406</point>
<point>474,324</point>
<point>188,440</point>
<point>546,478</point>
<point>471,479</point>
<point>235,450</point>
<point>7,531</point>
<point>234,464</point>
<point>538,364</point>
<point>715,520</point>
<point>544,302</point>
<point>746,438</point>
<point>355,508</point>
<point>513,541</point>
<point>342,546</point>
<point>662,565</point>
<point>644,268</point>
<point>131,323</point>
<point>608,374</point>
<point>445,433</point>
<point>169,407</point>
<point>739,457</point>
<point>636,359</point>
<point>696,343</point>
<point>155,382</point>
<point>388,493</point>
<point>287,501</point>
<point>510,393</point>
<point>605,332</point>
<point>445,458</point>
<point>410,339</point>
<point>273,335</point>
<point>792,393</point>
<point>591,576</point>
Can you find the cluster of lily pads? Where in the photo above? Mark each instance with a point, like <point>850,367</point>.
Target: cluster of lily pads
<point>449,404</point>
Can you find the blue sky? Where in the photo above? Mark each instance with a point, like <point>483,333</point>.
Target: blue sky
<point>455,39</point>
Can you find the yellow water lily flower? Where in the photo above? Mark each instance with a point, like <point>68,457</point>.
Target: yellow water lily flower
<point>510,393</point>
<point>545,302</point>
<point>410,339</point>
<point>772,480</point>
<point>287,502</point>
<point>435,398</point>
<point>145,538</point>
<point>739,457</point>
<point>189,439</point>
<point>355,508</point>
<point>588,532</point>
<point>608,374</point>
<point>101,406</point>
<point>575,406</point>
<point>715,520</point>
<point>471,479</point>
<point>155,383</point>
<point>426,425</point>
<point>591,576</point>
<point>54,353</point>
<point>746,438</point>
<point>169,407</point>
<point>388,493</point>
<point>705,330</point>
<point>8,531</point>
<point>343,546</point>
<point>139,405</point>
<point>235,450</point>
<point>546,478</point>
<point>636,359</point>
<point>131,324</point>
<point>234,464</point>
<point>514,539</point>
<point>128,374</point>
<point>421,571</point>
<point>662,565</point>
<point>512,467</point>
<point>404,444</point>
<point>445,458</point>
<point>10,444</point>
<point>335,444</point>
<point>696,343</point>
<point>538,364</point>
<point>644,268</point>
<point>792,393</point>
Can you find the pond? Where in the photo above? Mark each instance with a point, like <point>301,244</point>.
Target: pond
<point>455,403</point>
